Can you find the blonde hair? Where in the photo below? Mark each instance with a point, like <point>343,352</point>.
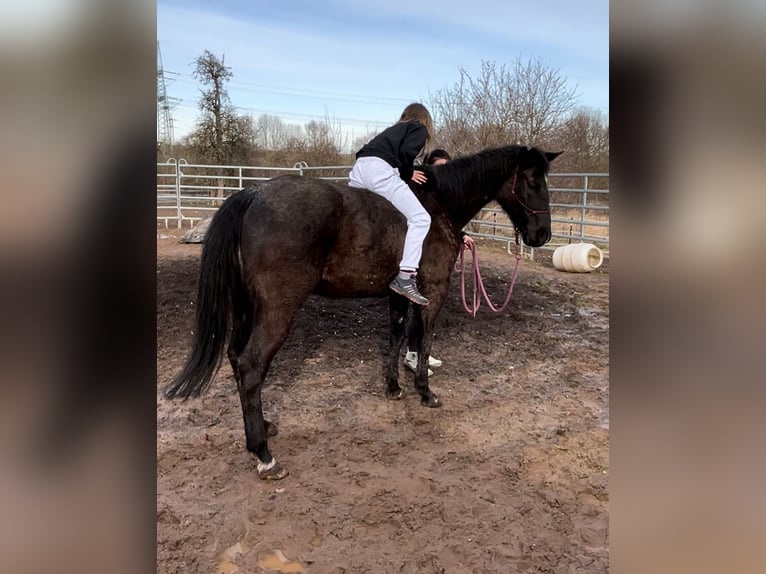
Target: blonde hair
<point>416,112</point>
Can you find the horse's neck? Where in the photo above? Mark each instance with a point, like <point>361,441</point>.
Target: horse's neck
<point>474,204</point>
<point>477,191</point>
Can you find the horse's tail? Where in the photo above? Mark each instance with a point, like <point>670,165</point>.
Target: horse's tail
<point>221,298</point>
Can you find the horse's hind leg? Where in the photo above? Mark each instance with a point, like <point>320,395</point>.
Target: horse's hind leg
<point>398,306</point>
<point>268,334</point>
<point>239,338</point>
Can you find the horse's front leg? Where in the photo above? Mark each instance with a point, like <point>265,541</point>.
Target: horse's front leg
<point>422,323</point>
<point>398,306</point>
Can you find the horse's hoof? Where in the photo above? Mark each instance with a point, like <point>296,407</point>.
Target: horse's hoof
<point>394,396</point>
<point>271,430</point>
<point>431,402</point>
<point>273,472</point>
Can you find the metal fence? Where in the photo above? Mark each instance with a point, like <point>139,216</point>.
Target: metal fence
<point>579,201</point>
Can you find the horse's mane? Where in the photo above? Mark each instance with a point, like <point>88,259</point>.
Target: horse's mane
<point>482,169</point>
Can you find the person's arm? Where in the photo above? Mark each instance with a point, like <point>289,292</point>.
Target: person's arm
<point>414,140</point>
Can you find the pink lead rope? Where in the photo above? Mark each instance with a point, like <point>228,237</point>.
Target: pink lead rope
<point>478,281</point>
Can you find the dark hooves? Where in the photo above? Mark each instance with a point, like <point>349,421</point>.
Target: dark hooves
<point>431,402</point>
<point>271,430</point>
<point>276,472</point>
<point>395,395</point>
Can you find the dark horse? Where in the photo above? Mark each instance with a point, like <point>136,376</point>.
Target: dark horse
<point>270,246</point>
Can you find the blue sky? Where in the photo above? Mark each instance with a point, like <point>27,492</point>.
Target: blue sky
<point>360,62</point>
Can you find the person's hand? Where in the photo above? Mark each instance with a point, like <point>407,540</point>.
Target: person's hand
<point>419,177</point>
<point>468,241</point>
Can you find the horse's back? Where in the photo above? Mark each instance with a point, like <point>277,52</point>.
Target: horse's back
<point>294,202</point>
<point>323,236</point>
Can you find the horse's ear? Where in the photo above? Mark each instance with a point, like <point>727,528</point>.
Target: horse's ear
<point>550,156</point>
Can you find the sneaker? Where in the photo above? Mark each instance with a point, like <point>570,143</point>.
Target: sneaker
<point>411,362</point>
<point>432,361</point>
<point>409,289</point>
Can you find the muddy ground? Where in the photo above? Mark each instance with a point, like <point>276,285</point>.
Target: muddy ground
<point>509,476</point>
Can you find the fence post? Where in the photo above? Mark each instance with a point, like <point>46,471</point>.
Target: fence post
<point>299,166</point>
<point>240,177</point>
<point>178,194</point>
<point>179,175</point>
<point>220,183</point>
<point>582,213</point>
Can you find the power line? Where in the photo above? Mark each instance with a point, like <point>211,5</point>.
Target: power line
<point>295,115</point>
<point>304,92</point>
<point>309,117</point>
<point>298,92</point>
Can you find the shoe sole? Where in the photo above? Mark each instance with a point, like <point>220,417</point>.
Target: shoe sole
<point>430,372</point>
<point>432,363</point>
<point>408,296</point>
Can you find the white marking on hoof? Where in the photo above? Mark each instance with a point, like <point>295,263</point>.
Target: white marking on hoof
<point>262,467</point>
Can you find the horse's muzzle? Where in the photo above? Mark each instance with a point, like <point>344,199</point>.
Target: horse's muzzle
<point>539,237</point>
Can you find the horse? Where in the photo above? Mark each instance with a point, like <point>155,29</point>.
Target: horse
<point>271,245</point>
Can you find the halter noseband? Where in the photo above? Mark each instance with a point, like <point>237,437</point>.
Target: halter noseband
<point>521,203</point>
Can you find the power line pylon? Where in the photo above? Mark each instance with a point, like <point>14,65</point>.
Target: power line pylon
<point>164,115</point>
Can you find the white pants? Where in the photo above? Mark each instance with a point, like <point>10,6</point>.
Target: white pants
<point>378,176</point>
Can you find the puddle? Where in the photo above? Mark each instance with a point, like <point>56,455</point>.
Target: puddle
<point>279,562</point>
<point>225,564</point>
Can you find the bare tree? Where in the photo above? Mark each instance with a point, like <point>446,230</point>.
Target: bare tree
<point>324,140</point>
<point>362,139</point>
<point>232,147</point>
<point>543,100</point>
<point>271,133</point>
<point>221,135</point>
<point>585,136</point>
<point>501,105</point>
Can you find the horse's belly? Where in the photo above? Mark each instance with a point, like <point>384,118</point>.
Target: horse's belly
<point>359,271</point>
<point>345,283</point>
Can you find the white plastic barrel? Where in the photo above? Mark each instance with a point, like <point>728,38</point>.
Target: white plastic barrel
<point>578,257</point>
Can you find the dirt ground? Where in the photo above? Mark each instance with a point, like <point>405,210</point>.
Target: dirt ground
<point>510,475</point>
